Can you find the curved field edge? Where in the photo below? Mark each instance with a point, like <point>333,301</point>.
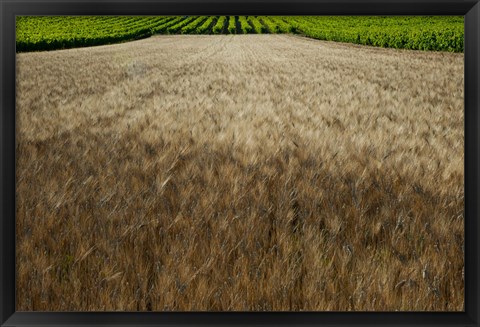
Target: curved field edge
<point>430,33</point>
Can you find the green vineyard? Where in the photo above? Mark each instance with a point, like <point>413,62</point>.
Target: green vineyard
<point>433,33</point>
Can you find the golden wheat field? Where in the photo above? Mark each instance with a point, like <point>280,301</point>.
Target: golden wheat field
<point>239,173</point>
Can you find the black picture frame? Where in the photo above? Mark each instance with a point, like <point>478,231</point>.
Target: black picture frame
<point>9,9</point>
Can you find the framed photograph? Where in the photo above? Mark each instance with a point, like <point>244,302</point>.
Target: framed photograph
<point>239,163</point>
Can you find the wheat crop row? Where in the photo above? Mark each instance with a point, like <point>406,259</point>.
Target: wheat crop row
<point>239,173</point>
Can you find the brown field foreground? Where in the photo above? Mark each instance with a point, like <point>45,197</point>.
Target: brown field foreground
<point>253,172</point>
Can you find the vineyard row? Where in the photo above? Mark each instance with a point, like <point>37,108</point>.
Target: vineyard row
<point>422,33</point>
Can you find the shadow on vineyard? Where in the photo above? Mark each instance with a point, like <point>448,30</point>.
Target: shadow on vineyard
<point>438,33</point>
